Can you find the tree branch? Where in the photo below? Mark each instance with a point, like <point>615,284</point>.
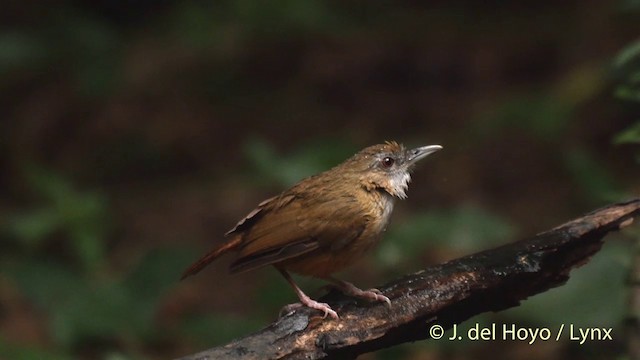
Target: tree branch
<point>444,294</point>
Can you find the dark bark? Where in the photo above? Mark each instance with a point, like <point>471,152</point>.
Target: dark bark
<point>445,294</point>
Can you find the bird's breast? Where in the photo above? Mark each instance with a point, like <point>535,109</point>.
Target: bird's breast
<point>377,207</point>
<point>385,204</point>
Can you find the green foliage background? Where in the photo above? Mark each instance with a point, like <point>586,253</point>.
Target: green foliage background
<point>134,134</point>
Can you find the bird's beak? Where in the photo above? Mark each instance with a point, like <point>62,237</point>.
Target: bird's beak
<point>421,152</point>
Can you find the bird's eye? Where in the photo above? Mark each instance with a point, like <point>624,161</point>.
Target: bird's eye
<point>388,162</point>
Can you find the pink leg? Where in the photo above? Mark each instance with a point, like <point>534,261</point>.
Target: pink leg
<point>307,301</point>
<point>349,289</point>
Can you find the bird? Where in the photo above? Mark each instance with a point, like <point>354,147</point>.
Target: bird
<point>324,222</point>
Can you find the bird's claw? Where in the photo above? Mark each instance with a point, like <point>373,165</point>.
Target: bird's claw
<point>376,295</point>
<point>310,303</point>
<point>324,307</point>
<point>371,294</point>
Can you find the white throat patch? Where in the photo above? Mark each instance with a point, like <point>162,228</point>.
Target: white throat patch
<point>399,183</point>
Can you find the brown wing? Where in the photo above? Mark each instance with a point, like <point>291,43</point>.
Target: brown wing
<point>299,227</point>
<point>256,214</point>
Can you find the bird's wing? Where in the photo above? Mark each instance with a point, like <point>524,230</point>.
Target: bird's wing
<point>287,229</point>
<point>258,212</point>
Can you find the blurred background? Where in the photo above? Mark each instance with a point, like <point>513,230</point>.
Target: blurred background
<point>134,134</point>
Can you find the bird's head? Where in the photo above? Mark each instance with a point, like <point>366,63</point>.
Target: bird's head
<point>387,166</point>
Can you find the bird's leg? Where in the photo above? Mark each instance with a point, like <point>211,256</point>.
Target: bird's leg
<point>349,289</point>
<point>307,301</point>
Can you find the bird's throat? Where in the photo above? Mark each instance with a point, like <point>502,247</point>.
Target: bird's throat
<point>399,184</point>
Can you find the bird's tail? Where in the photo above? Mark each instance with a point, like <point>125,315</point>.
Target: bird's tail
<point>210,256</point>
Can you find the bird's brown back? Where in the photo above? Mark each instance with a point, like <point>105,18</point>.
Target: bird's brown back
<point>314,228</point>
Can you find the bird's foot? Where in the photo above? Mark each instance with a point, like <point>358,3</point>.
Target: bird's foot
<point>308,302</point>
<point>324,307</point>
<point>372,294</point>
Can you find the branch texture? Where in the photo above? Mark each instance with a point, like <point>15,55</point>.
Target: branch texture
<point>444,294</point>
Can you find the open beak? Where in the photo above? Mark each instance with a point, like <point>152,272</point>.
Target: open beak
<point>421,152</point>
